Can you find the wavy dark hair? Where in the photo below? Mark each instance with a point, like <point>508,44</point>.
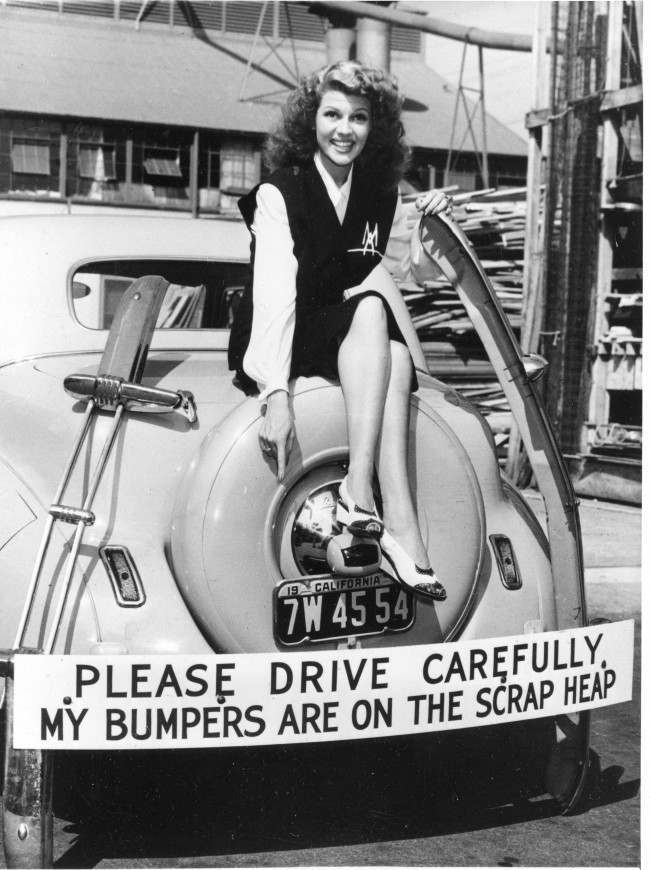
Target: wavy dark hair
<point>385,156</point>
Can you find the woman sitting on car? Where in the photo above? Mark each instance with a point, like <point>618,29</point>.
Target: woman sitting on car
<point>322,302</point>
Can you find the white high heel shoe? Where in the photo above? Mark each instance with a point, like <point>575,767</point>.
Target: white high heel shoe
<point>360,522</point>
<point>423,581</point>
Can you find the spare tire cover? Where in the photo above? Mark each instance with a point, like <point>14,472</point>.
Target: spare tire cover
<point>226,539</point>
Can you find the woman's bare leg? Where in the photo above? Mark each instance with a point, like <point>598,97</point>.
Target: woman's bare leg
<point>400,516</point>
<point>364,362</point>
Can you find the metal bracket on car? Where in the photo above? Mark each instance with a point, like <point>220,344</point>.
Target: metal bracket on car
<point>124,357</point>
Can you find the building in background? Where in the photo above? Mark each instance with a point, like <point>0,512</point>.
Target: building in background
<point>165,105</point>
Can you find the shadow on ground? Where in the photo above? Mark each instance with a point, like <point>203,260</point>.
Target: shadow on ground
<point>134,806</point>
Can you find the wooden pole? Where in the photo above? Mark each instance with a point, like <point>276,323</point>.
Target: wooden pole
<point>63,165</point>
<point>598,396</point>
<point>484,149</point>
<point>194,174</point>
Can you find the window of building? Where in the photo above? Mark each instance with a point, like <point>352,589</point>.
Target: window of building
<point>30,156</point>
<point>97,161</point>
<point>163,162</point>
<point>239,171</point>
<point>239,168</point>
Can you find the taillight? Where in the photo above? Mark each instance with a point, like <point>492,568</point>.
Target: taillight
<point>506,561</point>
<point>123,575</point>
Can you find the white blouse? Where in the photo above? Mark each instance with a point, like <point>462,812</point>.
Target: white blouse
<point>268,357</point>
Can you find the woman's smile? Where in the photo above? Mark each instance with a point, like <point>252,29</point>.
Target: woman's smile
<point>342,128</point>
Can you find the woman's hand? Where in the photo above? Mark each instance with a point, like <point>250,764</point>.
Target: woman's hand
<point>435,202</point>
<point>277,433</point>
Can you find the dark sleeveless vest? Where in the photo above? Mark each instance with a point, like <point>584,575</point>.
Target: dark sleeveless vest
<point>331,257</point>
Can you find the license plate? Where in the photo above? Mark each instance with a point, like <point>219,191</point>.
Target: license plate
<point>324,607</point>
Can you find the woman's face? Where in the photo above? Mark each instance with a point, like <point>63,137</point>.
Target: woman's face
<point>342,128</point>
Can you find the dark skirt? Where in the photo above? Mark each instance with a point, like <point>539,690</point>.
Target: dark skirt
<point>318,337</point>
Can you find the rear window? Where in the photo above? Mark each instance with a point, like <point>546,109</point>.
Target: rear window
<point>201,294</point>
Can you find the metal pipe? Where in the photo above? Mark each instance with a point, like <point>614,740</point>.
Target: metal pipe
<point>36,573</point>
<point>472,35</point>
<point>76,541</point>
<point>484,150</point>
<point>373,43</point>
<point>339,42</point>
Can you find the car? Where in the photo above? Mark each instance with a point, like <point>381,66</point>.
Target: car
<point>184,542</point>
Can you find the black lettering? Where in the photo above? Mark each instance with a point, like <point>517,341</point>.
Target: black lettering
<point>250,716</point>
<point>310,714</point>
<point>378,671</point>
<point>547,688</point>
<point>593,646</point>
<point>115,727</point>
<point>456,668</point>
<point>76,721</point>
<point>514,695</point>
<point>169,680</point>
<point>436,706</point>
<point>200,682</point>
<point>538,667</point>
<point>477,660</point>
<point>498,691</point>
<point>519,650</point>
<point>434,657</point>
<point>316,670</point>
<point>224,678</point>
<point>483,698</point>
<point>575,662</point>
<point>570,690</point>
<point>383,712</point>
<point>454,703</point>
<point>330,711</point>
<point>167,723</point>
<point>499,660</point>
<point>211,721</point>
<point>231,718</point>
<point>354,680</point>
<point>137,678</point>
<point>110,691</point>
<point>557,664</point>
<point>531,698</point>
<point>416,701</point>
<point>289,721</point>
<point>279,669</point>
<point>84,679</point>
<point>361,715</point>
<point>136,719</point>
<point>190,718</point>
<point>52,726</point>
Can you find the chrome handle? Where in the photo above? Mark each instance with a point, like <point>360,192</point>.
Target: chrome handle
<point>109,392</point>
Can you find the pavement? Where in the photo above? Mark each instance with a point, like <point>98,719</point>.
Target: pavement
<point>611,538</point>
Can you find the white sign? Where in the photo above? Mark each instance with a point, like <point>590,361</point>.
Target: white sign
<point>157,701</point>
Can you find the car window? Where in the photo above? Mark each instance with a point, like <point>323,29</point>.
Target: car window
<point>201,294</point>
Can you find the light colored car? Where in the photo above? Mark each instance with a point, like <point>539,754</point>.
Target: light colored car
<point>190,545</point>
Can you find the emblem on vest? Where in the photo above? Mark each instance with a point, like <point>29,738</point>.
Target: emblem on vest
<point>369,242</point>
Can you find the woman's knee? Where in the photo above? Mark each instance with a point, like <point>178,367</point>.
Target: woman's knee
<point>371,314</point>
<point>400,354</point>
<point>401,365</point>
